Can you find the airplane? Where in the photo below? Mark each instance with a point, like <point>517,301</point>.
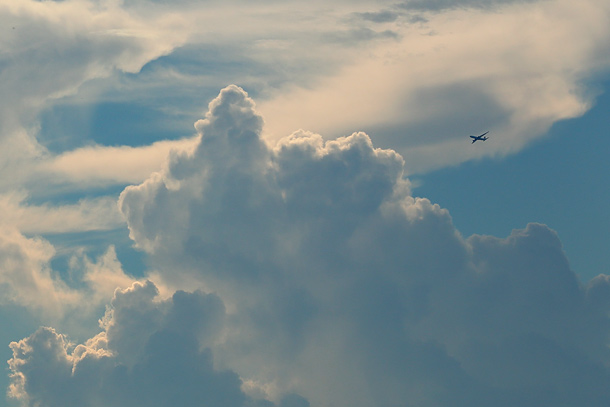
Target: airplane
<point>479,138</point>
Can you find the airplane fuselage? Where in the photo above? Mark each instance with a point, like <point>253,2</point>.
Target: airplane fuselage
<point>479,138</point>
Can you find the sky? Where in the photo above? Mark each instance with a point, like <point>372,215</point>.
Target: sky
<point>277,203</point>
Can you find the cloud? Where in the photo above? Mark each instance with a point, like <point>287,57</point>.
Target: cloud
<point>68,297</point>
<point>384,16</point>
<point>86,215</point>
<point>99,166</point>
<point>332,284</point>
<point>88,48</point>
<point>151,353</point>
<point>342,287</point>
<point>26,277</point>
<point>359,35</point>
<point>75,42</point>
<point>102,276</point>
<point>382,70</point>
<point>459,65</point>
<point>439,5</point>
<point>29,274</point>
<point>455,63</point>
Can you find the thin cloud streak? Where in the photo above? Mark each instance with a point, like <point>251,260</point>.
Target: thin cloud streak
<point>86,215</point>
<point>100,166</point>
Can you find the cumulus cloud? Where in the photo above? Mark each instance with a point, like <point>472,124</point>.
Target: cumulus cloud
<point>344,288</point>
<point>151,353</point>
<point>330,284</point>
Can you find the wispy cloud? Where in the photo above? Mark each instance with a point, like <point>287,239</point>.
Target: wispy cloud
<point>86,215</point>
<point>28,279</point>
<point>99,166</point>
<point>404,92</point>
<point>385,72</point>
<point>49,49</point>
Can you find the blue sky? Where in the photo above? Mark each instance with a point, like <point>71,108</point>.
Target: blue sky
<point>557,181</point>
<point>277,204</point>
